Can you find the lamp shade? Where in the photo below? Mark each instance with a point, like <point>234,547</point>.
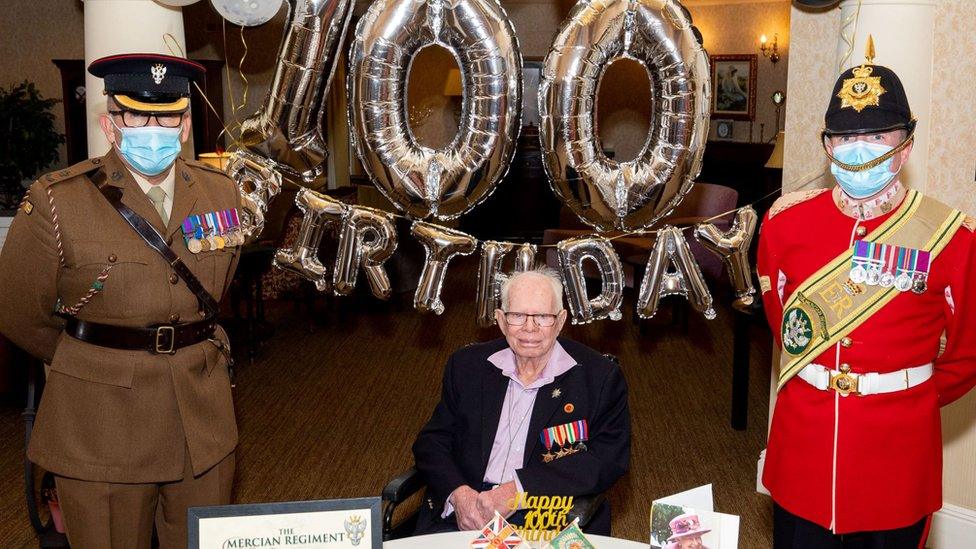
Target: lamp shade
<point>776,158</point>
<point>216,159</point>
<point>452,85</point>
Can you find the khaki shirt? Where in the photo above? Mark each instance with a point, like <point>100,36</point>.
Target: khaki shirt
<point>113,415</point>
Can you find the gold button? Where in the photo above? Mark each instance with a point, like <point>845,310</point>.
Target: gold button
<point>862,230</point>
<point>846,342</point>
<point>173,279</point>
<point>174,318</point>
<point>113,258</point>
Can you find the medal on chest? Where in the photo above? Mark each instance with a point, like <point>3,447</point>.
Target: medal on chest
<point>212,231</point>
<point>886,265</point>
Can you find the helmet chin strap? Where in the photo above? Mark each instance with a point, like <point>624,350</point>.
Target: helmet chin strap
<point>871,163</point>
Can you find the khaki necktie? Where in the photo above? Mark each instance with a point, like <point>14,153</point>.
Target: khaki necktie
<point>158,197</point>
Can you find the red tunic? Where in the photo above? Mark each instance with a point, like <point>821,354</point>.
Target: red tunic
<point>874,462</point>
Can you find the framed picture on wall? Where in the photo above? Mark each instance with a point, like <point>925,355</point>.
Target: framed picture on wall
<point>723,129</point>
<point>734,86</point>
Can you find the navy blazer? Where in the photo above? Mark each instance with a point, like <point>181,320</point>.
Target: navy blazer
<point>453,447</point>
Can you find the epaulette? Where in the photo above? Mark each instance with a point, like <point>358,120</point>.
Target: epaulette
<point>80,168</point>
<point>205,166</point>
<point>792,199</point>
<point>969,223</point>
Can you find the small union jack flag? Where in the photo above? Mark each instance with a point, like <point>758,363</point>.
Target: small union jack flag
<point>497,534</point>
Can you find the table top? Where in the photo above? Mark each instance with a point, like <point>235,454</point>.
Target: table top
<point>462,540</point>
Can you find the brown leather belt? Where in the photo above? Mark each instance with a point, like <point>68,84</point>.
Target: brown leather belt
<point>160,339</point>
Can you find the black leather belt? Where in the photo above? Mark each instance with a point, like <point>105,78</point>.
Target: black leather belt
<point>161,339</point>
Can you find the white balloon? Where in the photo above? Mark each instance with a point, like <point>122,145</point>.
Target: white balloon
<point>246,13</point>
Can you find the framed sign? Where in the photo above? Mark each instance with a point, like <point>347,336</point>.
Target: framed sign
<point>734,86</point>
<point>322,524</point>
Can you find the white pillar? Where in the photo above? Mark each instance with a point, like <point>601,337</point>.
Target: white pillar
<point>124,26</point>
<point>903,32</point>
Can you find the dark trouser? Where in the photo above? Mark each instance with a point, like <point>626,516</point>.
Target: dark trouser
<point>104,514</point>
<point>793,532</point>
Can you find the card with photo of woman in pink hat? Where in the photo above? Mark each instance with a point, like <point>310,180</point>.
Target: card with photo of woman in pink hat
<point>677,527</point>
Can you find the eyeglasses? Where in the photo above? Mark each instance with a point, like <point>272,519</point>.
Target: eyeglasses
<point>138,119</point>
<point>542,320</point>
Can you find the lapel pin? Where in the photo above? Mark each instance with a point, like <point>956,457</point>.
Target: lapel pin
<point>556,392</point>
<point>568,408</point>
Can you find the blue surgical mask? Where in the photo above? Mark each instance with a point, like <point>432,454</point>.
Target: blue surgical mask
<point>150,149</point>
<point>864,183</point>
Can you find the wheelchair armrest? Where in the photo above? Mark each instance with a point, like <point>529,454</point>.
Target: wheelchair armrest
<point>403,486</point>
<point>584,507</point>
<point>396,492</point>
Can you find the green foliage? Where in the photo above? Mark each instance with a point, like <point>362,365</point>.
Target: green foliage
<point>28,140</point>
<point>661,515</point>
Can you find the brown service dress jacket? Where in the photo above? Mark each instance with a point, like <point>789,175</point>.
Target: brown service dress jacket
<point>113,415</point>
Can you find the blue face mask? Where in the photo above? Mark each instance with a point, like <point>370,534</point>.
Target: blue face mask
<point>864,183</point>
<point>150,149</point>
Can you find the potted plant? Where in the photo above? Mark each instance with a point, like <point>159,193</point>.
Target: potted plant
<point>28,141</point>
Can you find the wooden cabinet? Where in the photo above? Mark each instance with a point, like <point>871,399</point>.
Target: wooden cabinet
<point>741,166</point>
<point>523,204</point>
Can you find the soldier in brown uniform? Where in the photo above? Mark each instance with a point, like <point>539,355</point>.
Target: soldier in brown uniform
<point>137,421</point>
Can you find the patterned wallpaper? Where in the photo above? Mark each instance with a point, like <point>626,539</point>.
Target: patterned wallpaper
<point>33,34</point>
<point>735,29</point>
<point>812,74</point>
<point>952,163</point>
<point>952,141</point>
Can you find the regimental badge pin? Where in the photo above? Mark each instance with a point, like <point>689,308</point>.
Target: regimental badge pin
<point>158,73</point>
<point>863,90</point>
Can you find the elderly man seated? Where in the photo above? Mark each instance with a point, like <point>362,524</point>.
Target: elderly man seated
<point>530,412</point>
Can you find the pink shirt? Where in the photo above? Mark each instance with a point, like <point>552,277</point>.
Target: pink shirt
<point>508,449</point>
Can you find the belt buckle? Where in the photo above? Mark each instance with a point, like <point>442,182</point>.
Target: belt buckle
<point>845,382</point>
<point>162,349</point>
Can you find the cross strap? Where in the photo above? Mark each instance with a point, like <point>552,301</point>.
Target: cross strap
<point>155,241</point>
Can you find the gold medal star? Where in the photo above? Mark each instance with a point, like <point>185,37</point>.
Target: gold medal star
<point>556,393</point>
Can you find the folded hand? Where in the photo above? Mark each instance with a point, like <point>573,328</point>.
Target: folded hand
<point>467,510</point>
<point>498,500</point>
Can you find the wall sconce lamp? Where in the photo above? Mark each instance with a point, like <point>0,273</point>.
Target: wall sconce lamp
<point>769,50</point>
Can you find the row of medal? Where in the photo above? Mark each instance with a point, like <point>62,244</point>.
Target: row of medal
<point>877,264</point>
<point>212,231</point>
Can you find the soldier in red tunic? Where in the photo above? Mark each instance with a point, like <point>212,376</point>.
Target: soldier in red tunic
<point>869,289</point>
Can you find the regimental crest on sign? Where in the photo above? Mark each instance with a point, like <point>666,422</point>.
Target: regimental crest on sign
<point>863,90</point>
<point>797,331</point>
<point>158,73</point>
<point>355,527</point>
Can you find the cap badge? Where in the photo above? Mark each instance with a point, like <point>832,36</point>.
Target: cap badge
<point>158,73</point>
<point>863,90</point>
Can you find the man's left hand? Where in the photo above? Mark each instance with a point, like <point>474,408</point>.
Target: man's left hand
<point>498,499</point>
